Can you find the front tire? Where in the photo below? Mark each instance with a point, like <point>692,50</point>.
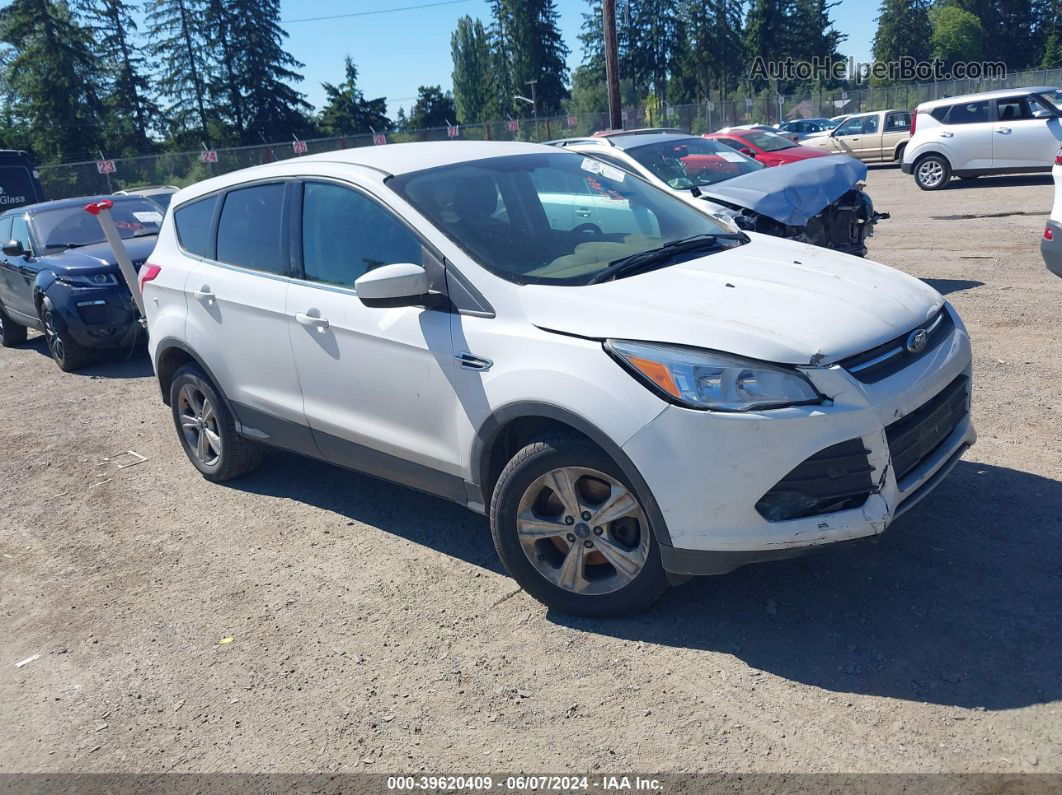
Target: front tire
<point>573,533</point>
<point>206,428</point>
<point>11,333</point>
<point>932,172</point>
<point>67,352</point>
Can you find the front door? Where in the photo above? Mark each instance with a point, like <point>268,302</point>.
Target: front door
<point>20,274</point>
<point>1020,139</point>
<point>848,138</point>
<point>377,383</point>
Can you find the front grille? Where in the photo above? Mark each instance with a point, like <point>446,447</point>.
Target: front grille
<point>915,438</point>
<point>834,479</point>
<point>891,357</point>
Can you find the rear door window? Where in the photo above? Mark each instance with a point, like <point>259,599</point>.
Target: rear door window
<point>193,223</point>
<point>898,122</point>
<point>969,113</point>
<point>249,230</point>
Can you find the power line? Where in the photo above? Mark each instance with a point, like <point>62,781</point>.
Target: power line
<point>380,11</point>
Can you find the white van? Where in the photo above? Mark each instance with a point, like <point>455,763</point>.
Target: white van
<point>1012,131</point>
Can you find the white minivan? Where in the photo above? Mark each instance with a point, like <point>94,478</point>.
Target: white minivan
<point>1011,131</point>
<point>630,405</point>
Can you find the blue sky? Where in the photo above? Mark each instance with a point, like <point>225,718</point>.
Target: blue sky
<point>398,51</point>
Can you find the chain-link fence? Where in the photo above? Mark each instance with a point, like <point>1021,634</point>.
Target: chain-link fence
<point>184,168</point>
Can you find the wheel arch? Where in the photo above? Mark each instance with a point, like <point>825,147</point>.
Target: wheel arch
<point>927,152</point>
<point>172,354</point>
<point>897,154</point>
<point>511,427</point>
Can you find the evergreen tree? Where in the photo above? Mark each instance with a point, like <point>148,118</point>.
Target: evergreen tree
<point>767,34</point>
<point>178,45</point>
<point>225,89</point>
<point>347,112</point>
<point>265,71</point>
<point>52,75</point>
<point>130,110</point>
<point>528,45</point>
<point>433,108</point>
<point>472,75</point>
<point>903,30</point>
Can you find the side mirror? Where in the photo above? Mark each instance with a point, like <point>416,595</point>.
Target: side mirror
<point>13,248</point>
<point>400,284</point>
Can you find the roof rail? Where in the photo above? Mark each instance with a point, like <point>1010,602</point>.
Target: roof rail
<point>562,142</point>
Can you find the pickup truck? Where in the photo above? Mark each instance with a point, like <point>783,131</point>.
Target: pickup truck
<point>878,137</point>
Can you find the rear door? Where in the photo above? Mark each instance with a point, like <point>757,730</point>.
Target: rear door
<point>1020,138</point>
<point>897,129</point>
<point>966,135</point>
<point>237,320</point>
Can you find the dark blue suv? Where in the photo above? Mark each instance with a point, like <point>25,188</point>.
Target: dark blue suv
<point>58,275</point>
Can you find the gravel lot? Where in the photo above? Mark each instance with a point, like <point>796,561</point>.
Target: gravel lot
<point>372,628</point>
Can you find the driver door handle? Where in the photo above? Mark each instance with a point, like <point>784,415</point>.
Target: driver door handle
<point>203,295</point>
<point>1003,130</point>
<point>313,322</point>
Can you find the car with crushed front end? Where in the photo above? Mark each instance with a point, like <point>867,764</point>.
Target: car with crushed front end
<point>58,275</point>
<point>629,407</point>
<point>820,201</point>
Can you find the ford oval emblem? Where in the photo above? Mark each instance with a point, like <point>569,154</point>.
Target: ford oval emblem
<point>916,340</point>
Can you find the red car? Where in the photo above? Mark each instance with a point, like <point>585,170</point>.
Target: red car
<point>767,148</point>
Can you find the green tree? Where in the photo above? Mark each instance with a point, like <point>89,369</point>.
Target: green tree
<point>273,108</point>
<point>472,75</point>
<point>433,108</point>
<point>178,44</point>
<point>225,89</point>
<point>904,30</point>
<point>347,112</point>
<point>130,109</point>
<point>766,34</point>
<point>528,45</point>
<point>957,35</point>
<point>52,77</point>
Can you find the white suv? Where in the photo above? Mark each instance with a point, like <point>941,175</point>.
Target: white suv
<point>629,406</point>
<point>1012,131</point>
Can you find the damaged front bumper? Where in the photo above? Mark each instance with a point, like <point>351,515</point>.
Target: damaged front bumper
<point>716,468</point>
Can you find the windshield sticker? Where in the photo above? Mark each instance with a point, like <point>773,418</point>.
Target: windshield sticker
<point>732,157</point>
<point>148,217</point>
<point>602,169</point>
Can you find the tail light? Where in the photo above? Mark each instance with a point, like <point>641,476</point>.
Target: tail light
<point>148,273</point>
<point>1048,234</point>
<point>1058,157</point>
<point>914,120</point>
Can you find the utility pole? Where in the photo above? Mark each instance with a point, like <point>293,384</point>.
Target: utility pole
<point>615,113</point>
<point>534,106</point>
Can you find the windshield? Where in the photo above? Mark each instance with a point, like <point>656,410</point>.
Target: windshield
<point>768,142</point>
<point>69,227</point>
<point>1053,99</point>
<point>689,162</point>
<point>553,218</point>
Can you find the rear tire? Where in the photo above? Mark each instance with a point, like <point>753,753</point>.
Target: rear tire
<point>11,333</point>
<point>206,429</point>
<point>932,172</point>
<point>591,552</point>
<point>67,352</point>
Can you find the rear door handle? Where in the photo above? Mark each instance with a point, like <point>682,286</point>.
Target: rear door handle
<point>313,322</point>
<point>1003,130</point>
<point>947,134</point>
<point>203,295</point>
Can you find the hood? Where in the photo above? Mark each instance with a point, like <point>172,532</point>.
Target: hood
<point>794,194</point>
<point>771,299</point>
<point>100,256</point>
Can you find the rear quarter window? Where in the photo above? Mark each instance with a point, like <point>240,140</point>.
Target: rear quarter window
<point>193,225</point>
<point>940,113</point>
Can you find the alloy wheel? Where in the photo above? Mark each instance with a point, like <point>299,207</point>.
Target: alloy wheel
<point>583,530</point>
<point>199,424</point>
<point>930,173</point>
<point>51,336</point>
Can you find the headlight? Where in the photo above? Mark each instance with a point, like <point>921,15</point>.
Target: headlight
<point>701,379</point>
<point>89,280</point>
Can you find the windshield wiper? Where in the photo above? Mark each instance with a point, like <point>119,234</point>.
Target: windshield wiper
<point>658,257</point>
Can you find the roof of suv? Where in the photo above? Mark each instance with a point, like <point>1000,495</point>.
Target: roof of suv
<point>1002,92</point>
<point>405,158</point>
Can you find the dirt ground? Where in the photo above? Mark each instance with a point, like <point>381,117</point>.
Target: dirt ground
<point>372,628</point>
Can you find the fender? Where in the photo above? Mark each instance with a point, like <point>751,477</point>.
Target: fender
<point>487,435</point>
<point>171,343</point>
